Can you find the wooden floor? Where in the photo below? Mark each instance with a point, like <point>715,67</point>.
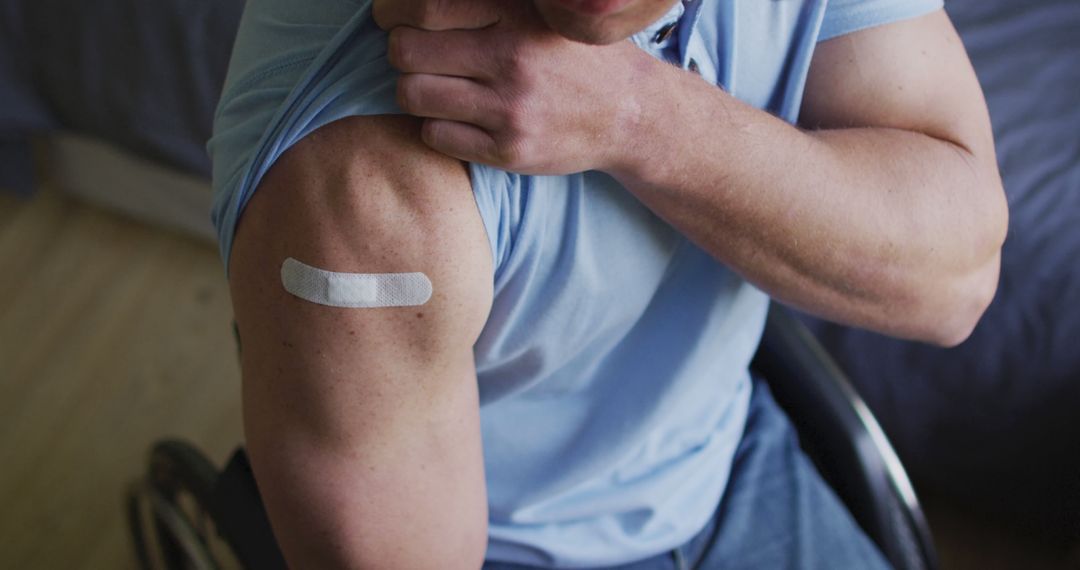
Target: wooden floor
<point>113,335</point>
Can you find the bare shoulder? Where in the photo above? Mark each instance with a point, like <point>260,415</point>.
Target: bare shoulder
<point>364,195</point>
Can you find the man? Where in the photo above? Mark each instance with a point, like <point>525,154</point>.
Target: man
<point>600,221</point>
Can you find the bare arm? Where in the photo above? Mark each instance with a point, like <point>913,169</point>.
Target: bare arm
<point>363,424</point>
<point>884,211</point>
<point>889,214</point>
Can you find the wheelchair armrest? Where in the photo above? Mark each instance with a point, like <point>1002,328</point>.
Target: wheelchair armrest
<point>241,519</point>
<point>841,436</point>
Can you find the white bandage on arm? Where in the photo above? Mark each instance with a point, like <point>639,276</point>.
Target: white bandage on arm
<point>354,290</point>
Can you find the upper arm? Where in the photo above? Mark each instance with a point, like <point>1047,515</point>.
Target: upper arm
<point>914,78</point>
<point>912,75</point>
<point>363,424</point>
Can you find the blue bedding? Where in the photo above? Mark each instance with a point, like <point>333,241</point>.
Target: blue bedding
<point>992,423</point>
<point>143,75</point>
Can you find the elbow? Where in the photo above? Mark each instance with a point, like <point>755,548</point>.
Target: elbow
<point>461,548</point>
<point>967,306</point>
<point>327,517</point>
<point>963,302</point>
<point>470,551</point>
<point>376,538</point>
<point>940,298</point>
<point>967,295</point>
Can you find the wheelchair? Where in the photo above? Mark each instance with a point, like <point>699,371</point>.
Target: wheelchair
<point>186,515</point>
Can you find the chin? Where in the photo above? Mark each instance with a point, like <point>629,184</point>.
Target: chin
<point>602,28</point>
<point>593,35</point>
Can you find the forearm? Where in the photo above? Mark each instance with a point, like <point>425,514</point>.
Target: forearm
<point>886,229</point>
<point>895,226</point>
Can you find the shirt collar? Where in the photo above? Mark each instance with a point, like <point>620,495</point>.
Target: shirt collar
<point>647,39</point>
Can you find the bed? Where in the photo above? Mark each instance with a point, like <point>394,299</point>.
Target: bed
<point>121,92</point>
<point>992,424</point>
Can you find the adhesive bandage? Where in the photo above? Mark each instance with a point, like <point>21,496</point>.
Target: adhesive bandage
<point>354,290</point>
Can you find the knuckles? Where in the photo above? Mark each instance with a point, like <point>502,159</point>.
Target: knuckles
<point>514,157</point>
<point>512,153</point>
<point>512,59</point>
<point>397,48</point>
<point>409,94</point>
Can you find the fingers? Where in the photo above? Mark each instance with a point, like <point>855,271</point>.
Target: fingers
<point>436,15</point>
<point>456,52</point>
<point>452,98</point>
<point>460,140</point>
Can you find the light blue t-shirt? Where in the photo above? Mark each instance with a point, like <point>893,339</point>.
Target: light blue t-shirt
<point>613,367</point>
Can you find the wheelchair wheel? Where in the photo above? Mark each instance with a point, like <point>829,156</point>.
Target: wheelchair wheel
<point>168,512</point>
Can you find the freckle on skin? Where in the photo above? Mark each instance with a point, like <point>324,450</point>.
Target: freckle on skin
<point>419,315</point>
